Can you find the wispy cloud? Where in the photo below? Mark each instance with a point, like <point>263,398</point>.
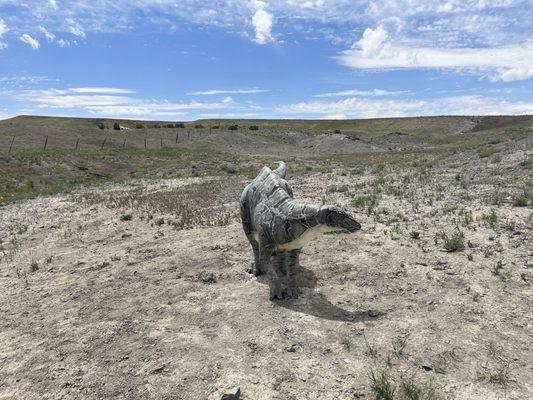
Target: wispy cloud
<point>375,51</point>
<point>354,107</point>
<point>107,90</point>
<point>112,102</point>
<point>49,35</point>
<point>3,30</point>
<point>32,42</point>
<point>75,28</point>
<point>355,92</point>
<point>230,91</point>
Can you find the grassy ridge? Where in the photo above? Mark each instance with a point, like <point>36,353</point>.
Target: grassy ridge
<point>105,155</point>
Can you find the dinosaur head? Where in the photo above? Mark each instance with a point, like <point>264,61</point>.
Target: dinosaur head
<point>334,217</point>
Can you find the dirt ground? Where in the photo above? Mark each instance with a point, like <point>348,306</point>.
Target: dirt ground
<point>139,290</point>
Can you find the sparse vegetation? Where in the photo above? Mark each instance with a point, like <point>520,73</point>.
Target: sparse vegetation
<point>34,266</point>
<point>454,242</point>
<point>127,216</point>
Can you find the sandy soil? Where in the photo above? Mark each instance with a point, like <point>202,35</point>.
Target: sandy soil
<point>141,309</point>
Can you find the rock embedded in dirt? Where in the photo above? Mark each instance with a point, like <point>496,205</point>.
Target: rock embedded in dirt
<point>233,394</point>
<point>207,277</point>
<point>374,313</point>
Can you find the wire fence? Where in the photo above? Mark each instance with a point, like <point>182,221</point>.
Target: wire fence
<point>107,139</point>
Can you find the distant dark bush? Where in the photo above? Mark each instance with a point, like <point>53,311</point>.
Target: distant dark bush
<point>215,127</point>
<point>156,126</point>
<point>337,131</point>
<point>199,126</point>
<point>170,125</point>
<point>100,125</point>
<point>179,125</point>
<point>254,128</point>
<point>139,126</point>
<point>116,126</point>
<point>233,127</point>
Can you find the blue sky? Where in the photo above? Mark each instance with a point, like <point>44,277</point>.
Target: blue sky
<point>183,60</point>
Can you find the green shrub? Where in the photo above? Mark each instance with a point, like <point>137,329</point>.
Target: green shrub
<point>490,219</point>
<point>198,126</point>
<point>455,242</point>
<point>415,235</point>
<point>254,128</point>
<point>139,126</point>
<point>487,151</point>
<point>233,127</point>
<point>521,200</point>
<point>116,126</point>
<point>179,125</point>
<point>126,216</point>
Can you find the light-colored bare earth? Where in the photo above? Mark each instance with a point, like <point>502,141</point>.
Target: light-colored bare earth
<point>95,305</point>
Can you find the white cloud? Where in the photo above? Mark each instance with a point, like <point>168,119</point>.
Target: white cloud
<point>234,91</point>
<point>107,90</point>
<point>3,30</point>
<point>335,116</point>
<point>262,21</point>
<point>377,107</point>
<point>53,4</point>
<point>355,92</point>
<point>374,51</point>
<point>32,42</point>
<point>75,28</point>
<point>372,42</point>
<point>111,102</point>
<point>49,35</point>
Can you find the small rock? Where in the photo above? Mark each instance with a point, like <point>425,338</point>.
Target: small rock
<point>207,277</point>
<point>374,313</point>
<point>233,394</point>
<point>427,365</point>
<point>529,264</point>
<point>159,369</point>
<point>294,348</point>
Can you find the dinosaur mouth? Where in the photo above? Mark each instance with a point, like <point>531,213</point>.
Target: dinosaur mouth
<point>351,225</point>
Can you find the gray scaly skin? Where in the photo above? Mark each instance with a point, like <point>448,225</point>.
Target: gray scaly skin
<point>278,227</point>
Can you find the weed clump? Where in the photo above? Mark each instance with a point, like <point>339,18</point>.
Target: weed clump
<point>455,242</point>
<point>127,216</point>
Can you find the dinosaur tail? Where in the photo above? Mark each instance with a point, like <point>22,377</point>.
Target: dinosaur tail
<point>281,171</point>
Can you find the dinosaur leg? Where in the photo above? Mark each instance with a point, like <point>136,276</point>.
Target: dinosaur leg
<point>265,264</point>
<point>255,268</point>
<point>292,264</point>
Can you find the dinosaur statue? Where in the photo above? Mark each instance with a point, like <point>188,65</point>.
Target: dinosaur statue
<point>278,228</point>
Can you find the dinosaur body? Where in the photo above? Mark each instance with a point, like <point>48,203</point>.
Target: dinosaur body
<point>278,227</point>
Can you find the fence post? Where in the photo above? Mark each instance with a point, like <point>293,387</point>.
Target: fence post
<point>161,141</point>
<point>77,142</point>
<point>188,133</point>
<point>124,144</point>
<point>145,143</point>
<point>11,145</point>
<point>103,143</point>
<point>177,133</point>
<point>45,142</point>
